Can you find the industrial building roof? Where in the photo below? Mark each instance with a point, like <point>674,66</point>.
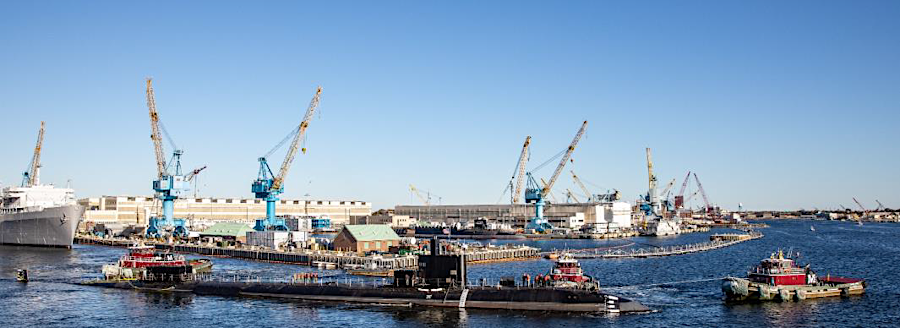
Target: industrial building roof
<point>230,229</point>
<point>369,232</point>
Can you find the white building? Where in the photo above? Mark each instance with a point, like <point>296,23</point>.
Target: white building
<point>560,215</point>
<point>137,209</point>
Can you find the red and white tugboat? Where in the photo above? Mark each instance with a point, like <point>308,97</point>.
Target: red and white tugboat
<point>145,263</point>
<point>567,272</point>
<point>779,278</point>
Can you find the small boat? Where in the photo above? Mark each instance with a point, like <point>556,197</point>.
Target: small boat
<point>811,228</point>
<point>146,263</point>
<point>779,278</point>
<point>566,272</point>
<point>22,275</point>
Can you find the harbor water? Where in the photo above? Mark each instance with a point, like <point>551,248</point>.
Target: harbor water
<point>683,290</point>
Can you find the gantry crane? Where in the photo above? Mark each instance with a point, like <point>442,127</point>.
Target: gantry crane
<point>583,188</point>
<point>32,176</point>
<point>169,183</point>
<point>519,172</point>
<point>536,195</point>
<point>269,185</point>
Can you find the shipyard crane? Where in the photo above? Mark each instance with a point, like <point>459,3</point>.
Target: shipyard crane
<point>691,197</point>
<point>702,193</point>
<point>668,186</point>
<point>679,198</point>
<point>536,195</point>
<point>865,211</point>
<point>169,183</point>
<point>570,196</point>
<point>416,191</point>
<point>860,205</point>
<point>880,206</point>
<point>582,186</point>
<point>519,172</point>
<point>268,185</point>
<point>32,176</point>
<point>651,202</point>
<point>190,177</point>
<point>551,194</point>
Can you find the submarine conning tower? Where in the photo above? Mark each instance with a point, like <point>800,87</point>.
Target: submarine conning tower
<point>436,270</point>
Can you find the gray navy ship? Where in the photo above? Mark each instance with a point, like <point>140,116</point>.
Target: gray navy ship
<point>38,215</point>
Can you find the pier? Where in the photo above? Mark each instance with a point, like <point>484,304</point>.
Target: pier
<point>483,254</point>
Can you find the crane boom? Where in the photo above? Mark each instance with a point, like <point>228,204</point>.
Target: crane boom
<point>190,176</point>
<point>564,159</point>
<point>155,135</point>
<point>571,195</point>
<point>860,205</point>
<point>292,151</point>
<point>880,205</point>
<point>519,175</point>
<point>581,185</point>
<point>684,184</point>
<point>668,186</point>
<point>702,192</point>
<point>419,194</point>
<point>651,185</point>
<point>546,187</point>
<point>690,197</point>
<point>33,176</point>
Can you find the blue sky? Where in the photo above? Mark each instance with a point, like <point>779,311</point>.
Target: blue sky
<point>778,105</point>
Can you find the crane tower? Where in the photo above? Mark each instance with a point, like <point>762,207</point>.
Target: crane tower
<point>268,185</point>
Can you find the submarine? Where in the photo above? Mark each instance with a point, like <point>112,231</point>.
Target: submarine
<point>438,282</point>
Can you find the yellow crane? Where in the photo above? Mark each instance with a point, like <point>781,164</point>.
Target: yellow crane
<point>519,173</point>
<point>581,185</point>
<point>32,177</point>
<point>421,197</point>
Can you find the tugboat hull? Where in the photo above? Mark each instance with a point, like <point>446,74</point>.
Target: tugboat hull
<point>743,290</point>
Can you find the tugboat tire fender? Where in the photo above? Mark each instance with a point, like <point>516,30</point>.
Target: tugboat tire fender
<point>800,294</point>
<point>784,295</point>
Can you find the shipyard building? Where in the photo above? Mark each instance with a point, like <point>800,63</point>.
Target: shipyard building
<point>137,209</point>
<point>603,216</point>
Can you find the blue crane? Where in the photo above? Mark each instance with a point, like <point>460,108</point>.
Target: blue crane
<point>170,182</point>
<point>536,194</point>
<point>268,185</point>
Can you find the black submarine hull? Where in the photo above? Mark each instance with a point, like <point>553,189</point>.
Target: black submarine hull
<point>506,298</point>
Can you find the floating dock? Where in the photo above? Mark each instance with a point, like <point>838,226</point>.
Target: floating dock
<point>716,241</point>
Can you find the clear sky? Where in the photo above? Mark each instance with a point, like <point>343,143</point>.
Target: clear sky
<point>776,104</point>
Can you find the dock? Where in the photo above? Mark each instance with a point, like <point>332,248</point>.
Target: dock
<point>483,254</point>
